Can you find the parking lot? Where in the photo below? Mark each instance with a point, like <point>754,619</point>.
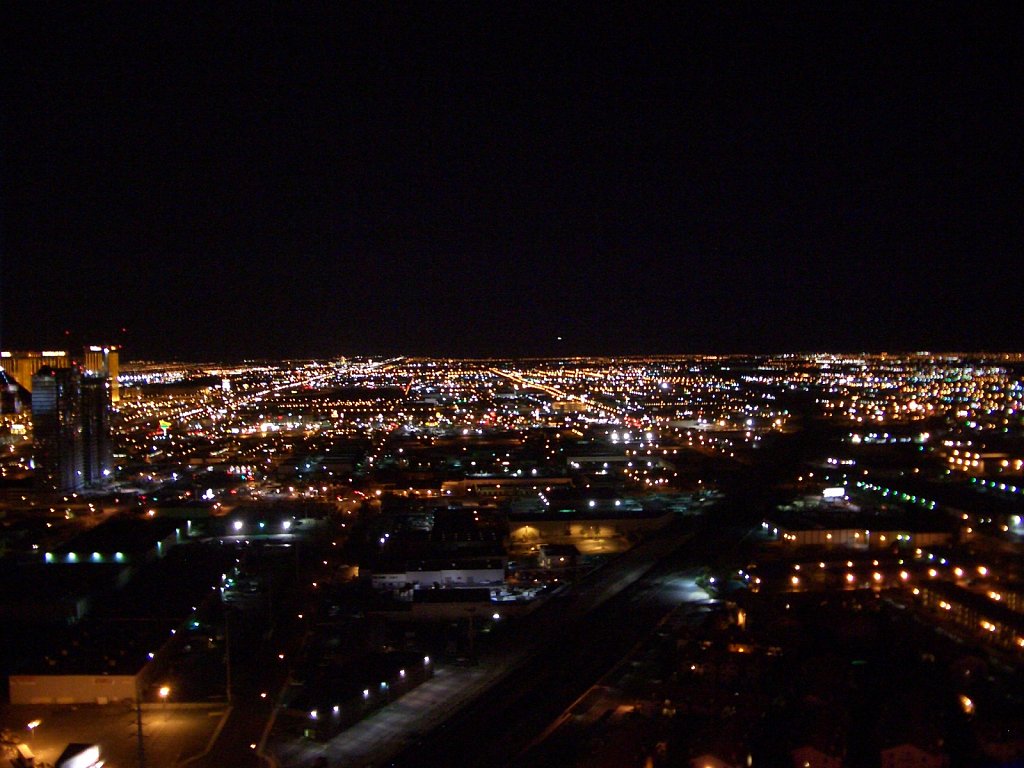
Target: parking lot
<point>171,734</point>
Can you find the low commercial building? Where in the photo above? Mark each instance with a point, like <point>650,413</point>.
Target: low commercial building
<point>562,527</point>
<point>501,488</point>
<point>984,463</point>
<point>126,641</point>
<point>73,689</point>
<point>980,614</point>
<point>464,572</point>
<point>839,523</point>
<point>858,538</point>
<point>121,540</point>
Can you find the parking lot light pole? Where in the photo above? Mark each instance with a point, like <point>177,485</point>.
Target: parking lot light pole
<point>138,723</point>
<point>32,729</point>
<point>227,654</point>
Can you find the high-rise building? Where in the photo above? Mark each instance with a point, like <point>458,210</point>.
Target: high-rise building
<point>22,366</point>
<point>105,361</point>
<point>71,428</point>
<point>97,454</point>
<point>57,429</point>
<point>98,360</point>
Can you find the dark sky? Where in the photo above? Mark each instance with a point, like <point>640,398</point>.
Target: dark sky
<point>482,179</point>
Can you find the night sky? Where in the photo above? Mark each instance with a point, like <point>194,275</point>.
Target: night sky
<point>480,180</point>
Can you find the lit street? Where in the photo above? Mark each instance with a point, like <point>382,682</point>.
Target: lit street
<point>409,728</point>
<point>511,385</point>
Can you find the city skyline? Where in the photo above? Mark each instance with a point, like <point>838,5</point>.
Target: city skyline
<point>473,182</point>
<point>743,560</point>
<point>515,385</point>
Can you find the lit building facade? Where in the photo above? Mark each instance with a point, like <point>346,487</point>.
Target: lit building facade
<point>97,453</point>
<point>105,361</point>
<point>57,429</point>
<point>22,366</point>
<point>71,429</point>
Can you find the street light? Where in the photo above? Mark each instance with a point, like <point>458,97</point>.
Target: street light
<point>32,729</point>
<point>138,721</point>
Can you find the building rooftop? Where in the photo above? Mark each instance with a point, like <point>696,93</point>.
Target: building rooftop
<point>121,534</point>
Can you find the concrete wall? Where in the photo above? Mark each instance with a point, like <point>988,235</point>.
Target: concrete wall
<point>71,689</point>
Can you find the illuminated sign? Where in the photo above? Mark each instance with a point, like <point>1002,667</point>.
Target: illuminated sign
<point>834,493</point>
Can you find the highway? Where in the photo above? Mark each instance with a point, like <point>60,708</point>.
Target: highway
<point>389,731</point>
<point>569,656</point>
<point>486,713</point>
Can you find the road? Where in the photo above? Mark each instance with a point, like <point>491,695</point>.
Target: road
<point>387,731</point>
<point>531,673</point>
<point>575,654</point>
<point>678,590</point>
<point>390,730</point>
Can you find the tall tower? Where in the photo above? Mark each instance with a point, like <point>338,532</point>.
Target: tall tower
<point>57,429</point>
<point>105,361</point>
<point>97,454</point>
<point>22,366</point>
